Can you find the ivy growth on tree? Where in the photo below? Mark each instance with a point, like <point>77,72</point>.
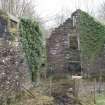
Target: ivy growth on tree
<point>92,35</point>
<point>31,38</point>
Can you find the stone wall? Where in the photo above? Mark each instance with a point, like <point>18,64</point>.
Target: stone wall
<point>14,72</point>
<point>63,50</point>
<point>60,53</point>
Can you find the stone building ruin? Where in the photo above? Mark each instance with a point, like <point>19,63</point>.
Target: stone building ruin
<point>63,49</point>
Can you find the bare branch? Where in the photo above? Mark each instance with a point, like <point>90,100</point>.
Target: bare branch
<point>18,7</point>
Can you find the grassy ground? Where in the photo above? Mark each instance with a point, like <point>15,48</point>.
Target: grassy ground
<point>34,97</point>
<point>41,95</point>
<point>37,95</point>
<point>87,100</point>
<point>86,93</point>
<point>100,99</point>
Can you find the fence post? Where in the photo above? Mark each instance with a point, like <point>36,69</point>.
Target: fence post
<point>94,92</point>
<point>50,86</point>
<point>100,82</point>
<point>76,80</point>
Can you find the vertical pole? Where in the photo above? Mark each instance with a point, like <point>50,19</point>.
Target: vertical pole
<point>38,77</point>
<point>50,86</point>
<point>94,92</point>
<point>100,82</point>
<point>75,88</point>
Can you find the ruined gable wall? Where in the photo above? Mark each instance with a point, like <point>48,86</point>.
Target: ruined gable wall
<point>58,47</point>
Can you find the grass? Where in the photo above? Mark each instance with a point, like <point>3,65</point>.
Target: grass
<point>86,100</point>
<point>100,99</point>
<point>35,98</point>
<point>38,95</point>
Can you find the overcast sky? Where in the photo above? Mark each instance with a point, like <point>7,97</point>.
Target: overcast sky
<point>47,9</point>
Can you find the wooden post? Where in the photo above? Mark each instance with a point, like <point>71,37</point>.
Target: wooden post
<point>76,84</point>
<point>94,92</point>
<point>74,88</point>
<point>100,82</point>
<point>50,92</point>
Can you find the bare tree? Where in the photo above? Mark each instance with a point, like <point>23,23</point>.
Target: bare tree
<point>18,7</point>
<point>102,11</point>
<point>62,16</point>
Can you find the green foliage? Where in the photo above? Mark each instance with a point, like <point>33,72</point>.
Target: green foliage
<point>100,99</point>
<point>92,35</point>
<point>31,38</point>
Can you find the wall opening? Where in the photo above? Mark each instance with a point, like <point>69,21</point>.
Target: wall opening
<point>73,42</point>
<point>74,68</point>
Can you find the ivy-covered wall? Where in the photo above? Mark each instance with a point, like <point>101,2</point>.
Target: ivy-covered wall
<point>92,39</point>
<point>92,35</point>
<point>31,38</point>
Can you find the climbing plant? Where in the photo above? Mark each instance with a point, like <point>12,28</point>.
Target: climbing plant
<point>31,38</point>
<point>92,35</point>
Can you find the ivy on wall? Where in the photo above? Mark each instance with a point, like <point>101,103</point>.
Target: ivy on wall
<point>31,38</point>
<point>92,35</point>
